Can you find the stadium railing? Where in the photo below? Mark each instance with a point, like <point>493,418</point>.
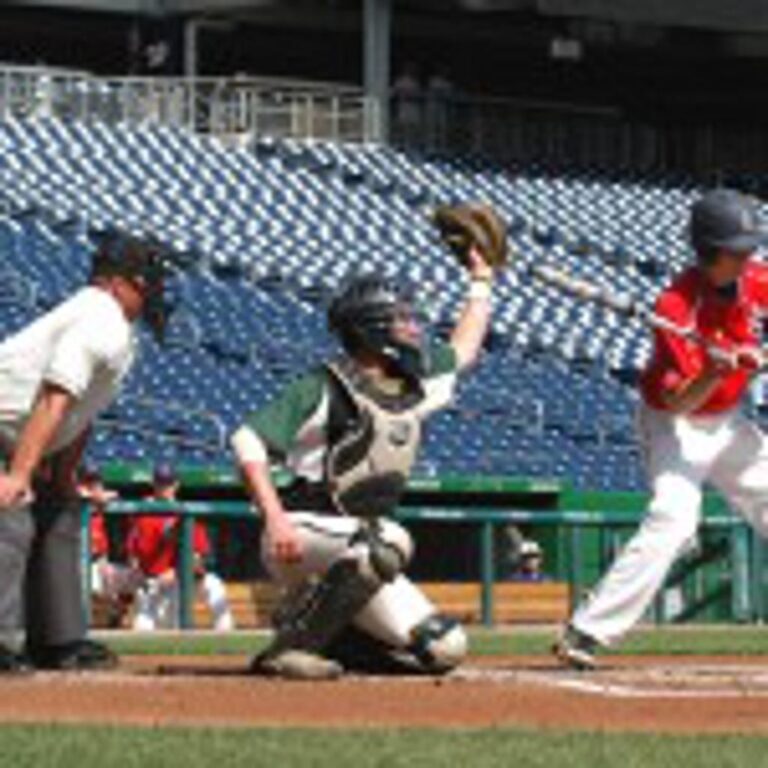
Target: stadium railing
<point>241,109</point>
<point>225,107</point>
<point>745,550</point>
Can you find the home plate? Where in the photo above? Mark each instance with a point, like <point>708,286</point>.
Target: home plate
<point>645,682</point>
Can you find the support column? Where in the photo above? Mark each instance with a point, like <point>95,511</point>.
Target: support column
<point>377,29</point>
<point>191,27</point>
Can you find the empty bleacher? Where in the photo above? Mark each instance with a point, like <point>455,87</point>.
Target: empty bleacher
<point>263,234</point>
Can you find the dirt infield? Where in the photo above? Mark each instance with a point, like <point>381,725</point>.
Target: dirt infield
<point>680,694</point>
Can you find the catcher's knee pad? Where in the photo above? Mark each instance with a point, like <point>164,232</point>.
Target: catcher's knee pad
<point>312,617</point>
<point>439,643</point>
<point>382,550</point>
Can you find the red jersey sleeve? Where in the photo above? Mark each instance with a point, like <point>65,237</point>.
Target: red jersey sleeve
<point>680,359</point>
<point>99,538</point>
<point>201,545</point>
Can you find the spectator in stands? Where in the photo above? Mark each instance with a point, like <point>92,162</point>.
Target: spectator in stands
<point>439,105</point>
<point>56,375</point>
<point>114,583</point>
<point>153,543</point>
<point>530,563</point>
<point>408,107</point>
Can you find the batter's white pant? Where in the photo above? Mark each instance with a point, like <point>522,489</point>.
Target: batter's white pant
<point>682,452</point>
<point>392,612</point>
<point>157,604</point>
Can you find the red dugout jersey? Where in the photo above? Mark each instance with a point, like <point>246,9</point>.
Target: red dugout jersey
<point>153,541</point>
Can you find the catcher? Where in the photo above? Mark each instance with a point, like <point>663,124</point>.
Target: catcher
<point>350,431</point>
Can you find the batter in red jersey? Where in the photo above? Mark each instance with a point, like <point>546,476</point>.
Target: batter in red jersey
<point>691,427</point>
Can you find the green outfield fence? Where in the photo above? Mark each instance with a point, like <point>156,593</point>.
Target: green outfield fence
<point>583,532</point>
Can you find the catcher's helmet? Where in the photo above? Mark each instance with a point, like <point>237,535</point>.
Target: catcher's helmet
<point>725,218</point>
<point>363,315</point>
<point>123,255</point>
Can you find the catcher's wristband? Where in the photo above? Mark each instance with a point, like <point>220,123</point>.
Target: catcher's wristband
<point>480,289</point>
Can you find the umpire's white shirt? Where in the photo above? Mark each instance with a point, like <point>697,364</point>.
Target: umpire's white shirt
<point>85,345</point>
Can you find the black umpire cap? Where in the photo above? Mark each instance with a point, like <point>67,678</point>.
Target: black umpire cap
<point>121,254</point>
<point>125,255</point>
<point>725,218</point>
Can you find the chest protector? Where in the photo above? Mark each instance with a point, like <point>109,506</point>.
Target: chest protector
<point>368,463</point>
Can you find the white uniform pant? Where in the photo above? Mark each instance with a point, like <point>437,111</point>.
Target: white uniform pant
<point>392,613</point>
<point>157,603</point>
<point>114,580</point>
<point>682,452</point>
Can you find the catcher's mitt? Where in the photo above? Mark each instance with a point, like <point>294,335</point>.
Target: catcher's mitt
<point>473,225</point>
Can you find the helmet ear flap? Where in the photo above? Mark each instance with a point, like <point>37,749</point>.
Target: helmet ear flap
<point>706,255</point>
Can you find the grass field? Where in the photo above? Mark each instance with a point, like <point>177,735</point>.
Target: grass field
<point>43,746</point>
<point>730,640</point>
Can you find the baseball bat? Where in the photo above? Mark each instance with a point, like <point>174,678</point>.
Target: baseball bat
<point>625,305</point>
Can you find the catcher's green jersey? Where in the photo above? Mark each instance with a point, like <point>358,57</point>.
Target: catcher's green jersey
<point>293,426</point>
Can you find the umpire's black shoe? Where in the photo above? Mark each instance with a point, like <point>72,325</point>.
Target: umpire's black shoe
<point>12,663</point>
<point>77,656</point>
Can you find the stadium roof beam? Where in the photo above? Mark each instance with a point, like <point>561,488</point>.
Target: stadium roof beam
<point>732,15</point>
<point>149,6</point>
<point>377,31</point>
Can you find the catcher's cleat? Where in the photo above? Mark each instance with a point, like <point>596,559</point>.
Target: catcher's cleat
<point>294,664</point>
<point>576,650</point>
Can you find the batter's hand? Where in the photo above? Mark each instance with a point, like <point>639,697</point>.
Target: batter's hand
<point>747,357</point>
<point>283,540</point>
<point>13,491</point>
<point>751,358</point>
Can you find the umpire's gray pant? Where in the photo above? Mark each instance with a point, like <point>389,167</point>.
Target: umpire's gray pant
<point>40,580</point>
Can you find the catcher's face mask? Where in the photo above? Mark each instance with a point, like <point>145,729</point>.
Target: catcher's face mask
<point>373,315</point>
<point>407,325</point>
<point>406,344</point>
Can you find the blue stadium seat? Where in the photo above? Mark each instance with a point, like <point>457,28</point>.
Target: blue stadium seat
<point>265,234</point>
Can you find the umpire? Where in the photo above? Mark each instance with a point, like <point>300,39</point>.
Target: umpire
<point>56,375</point>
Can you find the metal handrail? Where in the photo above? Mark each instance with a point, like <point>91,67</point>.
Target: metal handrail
<point>155,405</point>
<point>484,517</point>
<point>247,107</point>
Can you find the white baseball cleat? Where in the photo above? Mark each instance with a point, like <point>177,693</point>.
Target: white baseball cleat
<point>576,650</point>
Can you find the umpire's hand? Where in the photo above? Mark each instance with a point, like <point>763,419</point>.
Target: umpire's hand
<point>14,491</point>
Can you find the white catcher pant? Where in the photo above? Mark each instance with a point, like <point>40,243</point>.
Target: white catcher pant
<point>157,604</point>
<point>682,452</point>
<point>391,613</point>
